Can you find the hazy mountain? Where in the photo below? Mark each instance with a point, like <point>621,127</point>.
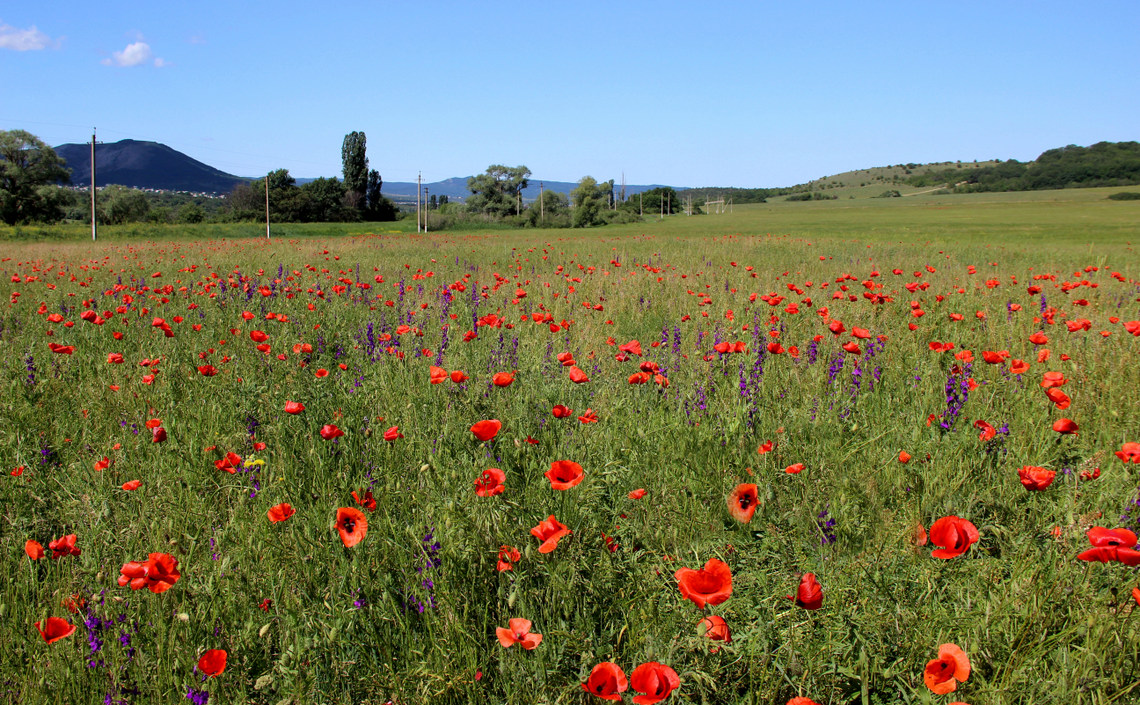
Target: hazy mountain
<point>147,165</point>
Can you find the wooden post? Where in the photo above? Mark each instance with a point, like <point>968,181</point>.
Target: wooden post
<point>427,209</point>
<point>541,206</point>
<point>418,176</point>
<point>93,226</point>
<point>267,206</point>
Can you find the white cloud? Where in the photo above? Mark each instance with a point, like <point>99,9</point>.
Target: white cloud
<point>30,39</point>
<point>134,54</point>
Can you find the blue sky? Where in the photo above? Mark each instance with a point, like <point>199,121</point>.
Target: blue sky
<point>687,94</point>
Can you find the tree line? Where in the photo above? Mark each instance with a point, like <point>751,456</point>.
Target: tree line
<point>1102,164</point>
<point>33,180</point>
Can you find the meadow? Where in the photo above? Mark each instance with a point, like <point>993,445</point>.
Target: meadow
<point>743,458</point>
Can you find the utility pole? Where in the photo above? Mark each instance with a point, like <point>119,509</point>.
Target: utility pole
<point>427,209</point>
<point>541,213</point>
<point>93,184</point>
<point>267,206</point>
<point>418,175</point>
<point>640,209</point>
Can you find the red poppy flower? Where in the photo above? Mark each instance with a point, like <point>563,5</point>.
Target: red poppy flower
<point>742,502</point>
<point>564,474</point>
<point>437,374</point>
<point>19,470</point>
<point>561,412</point>
<point>1018,366</point>
<point>213,662</point>
<point>508,556</point>
<point>943,674</point>
<point>794,469</point>
<point>654,679</point>
<point>637,494</point>
<point>954,534</point>
<point>987,431</point>
<point>207,370</point>
<point>294,407</point>
<point>765,447</point>
<point>1053,379</point>
<point>606,681</point>
<point>904,457</point>
<point>34,549</point>
<point>490,483</point>
<point>1111,545</point>
<point>633,347</point>
<point>392,434</point>
<point>114,358</point>
<point>1136,595</point>
<point>1035,478</point>
<point>549,531</point>
<point>64,546</point>
<point>458,377</point>
<point>800,700</point>
<point>710,585</point>
<point>158,574</point>
<point>61,349</point>
<point>1065,426</point>
<point>502,379</point>
<point>330,431</point>
<point>518,633</point>
<point>577,376</point>
<point>321,373</point>
<point>1059,398</point>
<point>1129,453</point>
<point>809,594</point>
<point>352,526</point>
<point>158,435</point>
<point>280,512</point>
<point>258,336</point>
<point>715,628</point>
<point>230,463</point>
<point>588,417</point>
<point>366,500</point>
<point>55,628</point>
<point>486,430</point>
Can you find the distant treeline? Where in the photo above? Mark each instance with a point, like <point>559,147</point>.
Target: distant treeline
<point>1102,164</point>
<point>736,195</point>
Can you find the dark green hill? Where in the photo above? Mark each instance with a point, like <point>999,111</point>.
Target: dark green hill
<point>146,165</point>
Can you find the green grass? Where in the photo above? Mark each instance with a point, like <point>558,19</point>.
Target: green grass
<point>1039,625</point>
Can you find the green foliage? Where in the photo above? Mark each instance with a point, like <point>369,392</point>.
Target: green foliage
<point>662,199</point>
<point>28,170</point>
<point>552,212</point>
<point>1102,164</point>
<point>354,160</point>
<point>123,205</point>
<point>591,200</point>
<point>498,191</point>
<point>1125,196</point>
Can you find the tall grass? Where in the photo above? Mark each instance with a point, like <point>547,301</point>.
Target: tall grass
<point>409,614</point>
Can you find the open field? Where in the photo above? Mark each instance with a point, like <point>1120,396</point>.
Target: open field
<point>871,367</point>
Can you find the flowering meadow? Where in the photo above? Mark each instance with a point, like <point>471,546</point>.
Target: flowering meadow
<point>641,465</point>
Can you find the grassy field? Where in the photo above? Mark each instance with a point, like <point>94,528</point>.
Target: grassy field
<point>803,330</point>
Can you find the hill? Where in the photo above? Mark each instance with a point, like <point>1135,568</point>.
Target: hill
<point>144,165</point>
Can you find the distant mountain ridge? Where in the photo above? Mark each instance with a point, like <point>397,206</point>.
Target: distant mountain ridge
<point>152,165</point>
<point>145,165</point>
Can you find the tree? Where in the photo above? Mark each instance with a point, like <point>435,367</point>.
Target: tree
<point>551,210</point>
<point>498,192</point>
<point>354,161</point>
<point>124,205</point>
<point>326,201</point>
<point>28,171</point>
<point>588,199</point>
